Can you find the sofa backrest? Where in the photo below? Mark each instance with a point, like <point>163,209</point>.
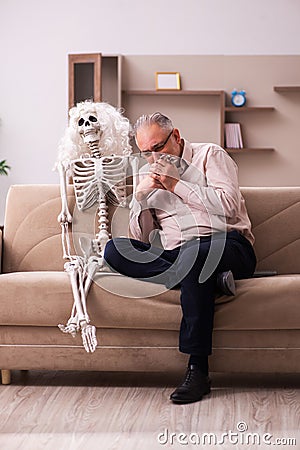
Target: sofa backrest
<point>275,216</point>
<point>32,235</point>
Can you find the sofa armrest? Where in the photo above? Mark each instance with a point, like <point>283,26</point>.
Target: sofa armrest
<point>1,238</point>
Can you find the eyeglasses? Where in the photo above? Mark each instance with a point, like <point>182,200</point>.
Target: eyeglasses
<point>157,147</point>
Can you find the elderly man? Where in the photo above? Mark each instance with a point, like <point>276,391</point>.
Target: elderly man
<point>189,194</point>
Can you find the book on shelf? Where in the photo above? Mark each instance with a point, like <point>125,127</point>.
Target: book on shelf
<point>233,135</point>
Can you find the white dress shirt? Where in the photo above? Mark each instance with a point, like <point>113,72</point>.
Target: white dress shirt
<point>206,199</point>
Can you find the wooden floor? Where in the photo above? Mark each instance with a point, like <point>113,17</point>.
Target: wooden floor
<point>104,411</point>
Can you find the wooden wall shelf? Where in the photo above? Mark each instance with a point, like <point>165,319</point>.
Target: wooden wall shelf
<point>248,108</point>
<point>173,92</point>
<point>249,150</point>
<point>243,109</point>
<point>286,88</point>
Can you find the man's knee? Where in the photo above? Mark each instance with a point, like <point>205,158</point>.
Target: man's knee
<point>111,254</point>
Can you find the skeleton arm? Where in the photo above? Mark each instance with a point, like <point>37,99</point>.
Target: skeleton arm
<point>65,215</point>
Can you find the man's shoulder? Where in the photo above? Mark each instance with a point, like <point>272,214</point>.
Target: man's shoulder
<point>204,150</point>
<point>205,147</point>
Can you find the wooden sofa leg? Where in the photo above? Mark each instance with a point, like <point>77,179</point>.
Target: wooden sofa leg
<point>5,376</point>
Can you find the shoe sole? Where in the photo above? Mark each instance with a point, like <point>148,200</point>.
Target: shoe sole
<point>182,402</point>
<point>228,284</point>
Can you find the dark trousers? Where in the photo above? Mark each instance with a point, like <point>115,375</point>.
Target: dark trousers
<point>193,267</point>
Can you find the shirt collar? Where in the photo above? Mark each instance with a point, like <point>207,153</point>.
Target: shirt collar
<point>187,153</point>
<point>186,157</point>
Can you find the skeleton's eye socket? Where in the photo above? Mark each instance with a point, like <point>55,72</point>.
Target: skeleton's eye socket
<point>93,119</point>
<point>81,122</point>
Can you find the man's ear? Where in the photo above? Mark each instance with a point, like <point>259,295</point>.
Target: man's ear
<point>176,133</point>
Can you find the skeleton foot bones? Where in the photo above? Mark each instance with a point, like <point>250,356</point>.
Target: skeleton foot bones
<point>81,274</point>
<point>95,152</point>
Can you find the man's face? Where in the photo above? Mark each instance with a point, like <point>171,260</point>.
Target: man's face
<point>154,140</point>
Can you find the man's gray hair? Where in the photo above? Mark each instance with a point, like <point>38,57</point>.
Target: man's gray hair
<point>156,118</point>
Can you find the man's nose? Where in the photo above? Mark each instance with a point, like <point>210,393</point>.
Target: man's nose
<point>155,156</point>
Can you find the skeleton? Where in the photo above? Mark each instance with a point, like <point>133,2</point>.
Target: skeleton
<point>96,153</point>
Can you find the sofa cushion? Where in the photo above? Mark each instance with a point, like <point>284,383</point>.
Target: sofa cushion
<point>267,303</point>
<point>45,299</point>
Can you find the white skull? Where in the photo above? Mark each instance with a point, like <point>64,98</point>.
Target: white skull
<point>89,127</point>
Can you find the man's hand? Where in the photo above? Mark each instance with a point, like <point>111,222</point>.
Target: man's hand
<point>146,186</point>
<point>166,173</point>
<point>163,175</point>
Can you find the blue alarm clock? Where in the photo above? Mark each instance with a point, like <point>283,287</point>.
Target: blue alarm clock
<point>238,98</point>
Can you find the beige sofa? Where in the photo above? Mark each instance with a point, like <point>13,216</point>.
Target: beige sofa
<point>258,330</point>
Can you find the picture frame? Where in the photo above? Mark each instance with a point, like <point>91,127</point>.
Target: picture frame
<point>167,81</point>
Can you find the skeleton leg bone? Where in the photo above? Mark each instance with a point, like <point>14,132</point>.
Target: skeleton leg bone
<point>73,323</point>
<point>81,271</point>
<point>88,332</point>
<point>80,320</point>
<point>94,264</point>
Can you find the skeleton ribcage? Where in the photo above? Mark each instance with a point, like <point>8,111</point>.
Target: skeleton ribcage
<point>95,178</point>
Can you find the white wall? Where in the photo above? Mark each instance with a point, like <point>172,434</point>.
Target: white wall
<point>36,37</point>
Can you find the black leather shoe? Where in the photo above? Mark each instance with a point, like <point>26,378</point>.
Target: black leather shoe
<point>225,283</point>
<point>193,387</point>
